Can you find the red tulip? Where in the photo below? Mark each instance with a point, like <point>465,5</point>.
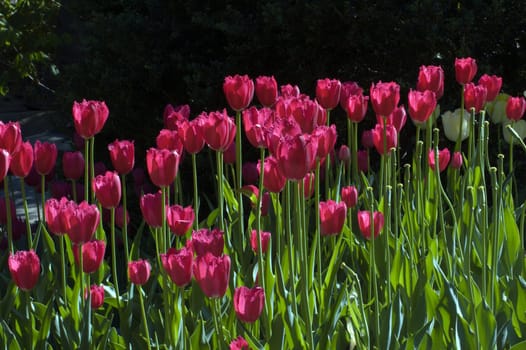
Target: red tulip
<point>295,156</point>
<point>349,196</point>
<point>219,131</point>
<point>22,160</point>
<point>378,138</point>
<point>364,223</point>
<point>92,255</point>
<point>515,108</point>
<point>349,88</point>
<point>332,217</point>
<point>170,140</point>
<point>421,105</point>
<point>191,134</point>
<point>80,221</point>
<point>273,179</point>
<point>53,215</point>
<point>325,139</point>
<point>24,266</point>
<point>122,155</point>
<point>474,96</point>
<point>384,97</point>
<point>162,166</point>
<point>139,271</point>
<point>266,90</point>
<point>288,90</point>
<point>5,161</point>
<point>151,208</point>
<point>344,154</point>
<point>73,165</point>
<point>107,189</point>
<point>308,185</point>
<point>180,219</point>
<point>492,83</point>
<point>257,123</point>
<point>456,160</point>
<point>285,127</point>
<point>178,265</point>
<point>397,119</point>
<point>239,344</point>
<point>465,69</point>
<point>10,136</point>
<point>305,112</point>
<point>239,91</point>
<point>212,273</point>
<point>208,241</point>
<point>254,241</point>
<point>356,107</point>
<point>248,303</point>
<point>96,294</point>
<point>328,92</point>
<point>89,117</point>
<point>45,157</point>
<point>174,116</point>
<point>443,159</point>
<point>431,78</point>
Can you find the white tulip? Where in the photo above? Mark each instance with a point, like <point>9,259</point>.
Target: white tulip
<point>497,109</point>
<point>451,121</point>
<point>519,127</point>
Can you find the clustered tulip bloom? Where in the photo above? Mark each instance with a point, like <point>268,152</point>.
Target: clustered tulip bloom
<point>219,130</point>
<point>122,155</point>
<point>443,159</point>
<point>174,116</point>
<point>170,140</point>
<point>365,220</point>
<point>212,273</point>
<point>24,266</point>
<point>191,134</point>
<point>474,96</point>
<point>22,160</point>
<point>348,89</point>
<point>356,107</point>
<point>178,265</point>
<point>256,123</point>
<point>492,83</point>
<point>254,241</point>
<point>295,156</point>
<point>151,208</point>
<point>89,117</point>
<point>80,221</point>
<point>431,78</point>
<point>248,303</point>
<point>139,271</point>
<point>332,217</point>
<point>273,179</point>
<point>391,137</point>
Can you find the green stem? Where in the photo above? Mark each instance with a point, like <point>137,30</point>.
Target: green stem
<point>318,224</point>
<point>219,158</point>
<point>216,314</point>
<point>26,213</point>
<point>144,320</point>
<point>125,220</point>
<point>196,194</point>
<point>86,170</point>
<point>29,317</point>
<point>8,215</point>
<point>92,167</point>
<point>287,200</point>
<point>374,280</point>
<point>114,258</point>
<point>61,240</point>
<point>74,190</point>
<point>354,152</point>
<point>239,177</point>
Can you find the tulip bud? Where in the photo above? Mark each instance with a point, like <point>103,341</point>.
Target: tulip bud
<point>139,271</point>
<point>456,160</point>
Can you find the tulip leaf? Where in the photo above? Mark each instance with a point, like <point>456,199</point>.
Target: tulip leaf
<point>45,325</point>
<point>8,338</point>
<point>519,346</point>
<point>513,240</point>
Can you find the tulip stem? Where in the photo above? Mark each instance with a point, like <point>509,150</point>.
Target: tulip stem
<point>143,316</point>
<point>239,178</point>
<point>318,225</point>
<point>92,167</point>
<point>373,288</point>
<point>26,213</point>
<point>216,314</point>
<point>86,170</point>
<point>219,158</point>
<point>29,317</point>
<point>287,201</point>
<point>63,266</point>
<point>114,258</point>
<point>8,215</point>
<point>125,220</point>
<point>196,194</point>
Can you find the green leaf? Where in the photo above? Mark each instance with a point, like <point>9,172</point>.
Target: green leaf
<point>513,240</point>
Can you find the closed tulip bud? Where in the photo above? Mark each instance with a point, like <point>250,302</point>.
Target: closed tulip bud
<point>266,90</point>
<point>10,136</point>
<point>162,165</point>
<point>365,220</point>
<point>248,303</point>
<point>515,108</point>
<point>356,107</point>
<point>73,165</point>
<point>474,96</point>
<point>107,189</point>
<point>178,265</point>
<point>421,105</point>
<point>122,155</point>
<point>191,134</point>
<point>239,91</point>
<point>139,271</point>
<point>273,179</point>
<point>212,273</point>
<point>451,121</point>
<point>89,117</point>
<point>492,83</point>
<point>22,160</point>
<point>384,97</point>
<point>254,241</point>
<point>92,255</point>
<point>5,161</point>
<point>431,78</point>
<point>295,156</point>
<point>80,221</point>
<point>349,88</point>
<point>332,217</point>
<point>239,344</point>
<point>443,159</point>
<point>328,92</point>
<point>349,196</point>
<point>456,160</point>
<point>97,296</point>
<point>344,154</point>
<point>151,208</point>
<point>219,131</point>
<point>391,138</point>
<point>180,219</point>
<point>465,69</point>
<point>519,127</point>
<point>24,267</point>
<point>308,185</point>
<point>208,241</point>
<point>45,156</point>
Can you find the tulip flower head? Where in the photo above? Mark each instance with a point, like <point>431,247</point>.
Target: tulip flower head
<point>349,196</point>
<point>465,69</point>
<point>266,90</point>
<point>452,125</point>
<point>107,189</point>
<point>492,83</point>
<point>239,91</point>
<point>431,78</point>
<point>332,217</point>
<point>178,265</point>
<point>515,108</point>
<point>45,157</point>
<point>139,271</point>
<point>328,92</point>
<point>22,160</point>
<point>92,255</point>
<point>73,165</point>
<point>443,159</point>
<point>89,117</point>
<point>180,219</point>
<point>366,221</point>
<point>254,241</point>
<point>249,303</point>
<point>384,97</point>
<point>122,155</point>
<point>24,267</point>
<point>212,273</point>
